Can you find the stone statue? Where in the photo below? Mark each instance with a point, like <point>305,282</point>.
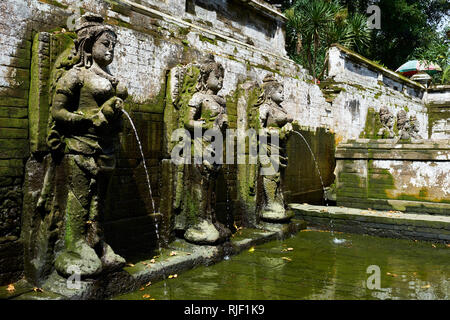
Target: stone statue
<point>403,125</point>
<point>387,122</point>
<point>196,184</point>
<point>274,120</point>
<point>414,127</point>
<point>86,118</point>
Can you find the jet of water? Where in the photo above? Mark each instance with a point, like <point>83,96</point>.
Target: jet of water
<point>337,241</point>
<point>143,158</point>
<point>317,166</point>
<point>150,191</point>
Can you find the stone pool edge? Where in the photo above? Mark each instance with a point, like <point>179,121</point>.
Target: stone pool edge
<point>390,224</point>
<point>137,275</point>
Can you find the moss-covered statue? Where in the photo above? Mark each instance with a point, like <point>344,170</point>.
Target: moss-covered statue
<point>403,125</point>
<point>414,127</point>
<point>86,118</point>
<point>387,124</point>
<point>199,108</point>
<point>275,121</point>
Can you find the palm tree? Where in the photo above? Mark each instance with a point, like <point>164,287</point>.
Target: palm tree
<point>313,25</point>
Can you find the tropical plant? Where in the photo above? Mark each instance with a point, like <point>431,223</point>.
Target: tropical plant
<point>314,25</point>
<point>438,52</point>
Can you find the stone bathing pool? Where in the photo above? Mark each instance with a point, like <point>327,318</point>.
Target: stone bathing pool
<point>310,265</point>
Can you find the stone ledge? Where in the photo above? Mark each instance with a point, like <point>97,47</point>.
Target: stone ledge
<point>138,274</point>
<point>380,223</point>
<point>406,206</point>
<point>393,149</point>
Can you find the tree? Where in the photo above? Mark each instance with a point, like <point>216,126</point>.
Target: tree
<point>313,25</point>
<point>406,26</point>
<point>437,51</point>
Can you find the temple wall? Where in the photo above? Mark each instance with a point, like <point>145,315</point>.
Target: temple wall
<point>356,84</point>
<point>384,175</point>
<point>247,37</point>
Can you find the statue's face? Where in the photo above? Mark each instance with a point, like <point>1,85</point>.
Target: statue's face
<point>277,95</point>
<point>215,81</point>
<point>103,49</point>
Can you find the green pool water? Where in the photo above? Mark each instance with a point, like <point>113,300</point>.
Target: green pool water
<point>315,267</point>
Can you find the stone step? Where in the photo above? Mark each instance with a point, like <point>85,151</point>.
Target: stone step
<point>393,224</point>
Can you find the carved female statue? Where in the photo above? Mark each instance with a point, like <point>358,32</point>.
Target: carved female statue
<point>206,111</point>
<point>86,119</point>
<point>275,121</point>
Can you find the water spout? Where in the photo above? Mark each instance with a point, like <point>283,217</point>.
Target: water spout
<point>335,240</point>
<point>317,167</point>
<point>143,159</point>
<point>149,188</point>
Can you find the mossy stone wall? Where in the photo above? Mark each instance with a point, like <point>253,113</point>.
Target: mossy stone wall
<point>377,174</point>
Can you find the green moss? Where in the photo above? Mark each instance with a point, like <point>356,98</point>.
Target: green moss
<point>206,39</point>
<point>55,3</point>
<point>264,67</point>
<point>436,113</point>
<point>120,8</point>
<point>154,105</point>
<point>222,39</point>
<point>183,31</point>
<point>350,185</point>
<point>372,126</point>
<point>192,207</point>
<point>380,181</point>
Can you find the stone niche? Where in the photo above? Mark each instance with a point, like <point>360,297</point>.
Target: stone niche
<point>386,175</point>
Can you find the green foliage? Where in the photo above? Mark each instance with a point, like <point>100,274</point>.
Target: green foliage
<point>408,29</point>
<point>313,25</point>
<point>437,51</point>
<point>406,26</point>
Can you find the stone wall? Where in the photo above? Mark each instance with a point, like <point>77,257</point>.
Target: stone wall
<point>247,37</point>
<point>385,175</point>
<point>438,103</point>
<point>355,84</point>
<point>378,223</point>
<point>150,43</point>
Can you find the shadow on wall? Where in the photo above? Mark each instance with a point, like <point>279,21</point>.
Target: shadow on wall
<point>302,181</point>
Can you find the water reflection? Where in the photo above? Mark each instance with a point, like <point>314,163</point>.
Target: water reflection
<point>316,268</point>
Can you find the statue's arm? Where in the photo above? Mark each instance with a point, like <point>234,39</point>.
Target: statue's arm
<point>263,115</point>
<point>62,115</point>
<point>191,122</point>
<point>194,108</point>
<point>63,100</point>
